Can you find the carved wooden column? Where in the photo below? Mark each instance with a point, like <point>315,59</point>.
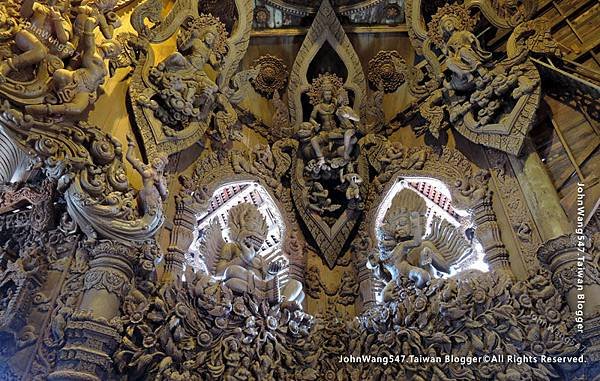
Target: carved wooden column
<point>361,247</point>
<point>541,196</point>
<point>474,194</point>
<point>488,234</point>
<point>181,237</point>
<point>91,333</point>
<point>576,275</point>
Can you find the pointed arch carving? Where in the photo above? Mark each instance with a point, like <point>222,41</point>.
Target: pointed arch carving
<point>325,28</point>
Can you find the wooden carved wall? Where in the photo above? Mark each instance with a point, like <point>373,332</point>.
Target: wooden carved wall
<point>417,220</point>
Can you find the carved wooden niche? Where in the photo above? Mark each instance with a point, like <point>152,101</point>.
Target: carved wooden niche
<point>448,205</point>
<point>227,213</point>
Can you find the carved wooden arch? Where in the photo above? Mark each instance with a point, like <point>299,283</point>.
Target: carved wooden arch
<point>325,27</point>
<point>469,191</point>
<point>212,174</point>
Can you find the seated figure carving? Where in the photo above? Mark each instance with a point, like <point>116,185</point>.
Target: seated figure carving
<point>328,145</point>
<point>185,92</point>
<point>244,271</point>
<point>405,251</point>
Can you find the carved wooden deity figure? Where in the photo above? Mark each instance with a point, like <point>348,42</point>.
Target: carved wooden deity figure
<point>465,57</point>
<point>405,251</point>
<point>237,261</point>
<point>184,87</point>
<point>331,106</point>
<point>155,189</point>
<point>45,21</point>
<point>76,88</point>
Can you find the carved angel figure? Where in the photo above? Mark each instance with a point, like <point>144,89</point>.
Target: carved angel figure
<point>155,189</point>
<point>244,271</point>
<point>405,251</point>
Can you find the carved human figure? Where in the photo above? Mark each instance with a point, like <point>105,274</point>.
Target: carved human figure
<point>318,199</point>
<point>195,48</point>
<point>100,12</point>
<point>76,89</point>
<point>238,263</point>
<point>45,21</point>
<point>325,116</point>
<point>243,373</point>
<point>465,57</point>
<point>154,189</point>
<point>264,162</point>
<point>185,93</point>
<point>352,181</point>
<point>395,157</point>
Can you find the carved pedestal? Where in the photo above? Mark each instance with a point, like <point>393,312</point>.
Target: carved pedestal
<point>576,275</point>
<point>91,336</point>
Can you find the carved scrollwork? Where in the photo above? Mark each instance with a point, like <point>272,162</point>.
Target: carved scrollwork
<point>87,166</point>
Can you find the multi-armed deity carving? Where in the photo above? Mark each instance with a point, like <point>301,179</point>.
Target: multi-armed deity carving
<point>238,262</point>
<point>407,250</point>
<point>491,102</point>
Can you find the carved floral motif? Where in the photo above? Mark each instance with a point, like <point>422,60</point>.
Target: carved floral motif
<point>272,75</point>
<point>387,70</point>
